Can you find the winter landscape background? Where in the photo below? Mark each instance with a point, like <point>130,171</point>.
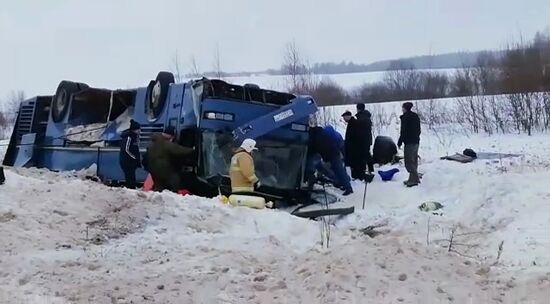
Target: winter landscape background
<point>70,240</point>
<point>478,73</point>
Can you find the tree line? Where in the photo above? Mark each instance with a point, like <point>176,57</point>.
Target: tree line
<point>519,68</point>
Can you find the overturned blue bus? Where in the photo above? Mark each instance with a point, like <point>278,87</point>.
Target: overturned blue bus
<point>79,128</point>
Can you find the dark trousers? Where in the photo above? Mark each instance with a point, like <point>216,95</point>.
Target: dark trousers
<point>370,161</point>
<point>340,174</point>
<point>170,181</point>
<point>314,163</point>
<point>129,177</point>
<point>411,163</point>
<point>359,168</point>
<point>2,176</point>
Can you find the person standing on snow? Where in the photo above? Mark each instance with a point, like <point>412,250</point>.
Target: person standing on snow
<point>364,123</point>
<point>129,157</point>
<point>355,147</point>
<point>350,154</point>
<point>242,172</point>
<point>164,159</point>
<point>321,142</point>
<point>410,136</point>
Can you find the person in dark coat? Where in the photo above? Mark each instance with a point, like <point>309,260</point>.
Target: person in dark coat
<point>129,157</point>
<point>365,133</point>
<point>165,160</point>
<point>357,146</point>
<point>410,136</point>
<point>350,142</point>
<point>322,143</point>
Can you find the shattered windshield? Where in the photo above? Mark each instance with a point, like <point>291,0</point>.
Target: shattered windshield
<point>278,164</point>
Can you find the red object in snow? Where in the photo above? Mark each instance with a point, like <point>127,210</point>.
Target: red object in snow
<point>184,192</point>
<point>148,184</point>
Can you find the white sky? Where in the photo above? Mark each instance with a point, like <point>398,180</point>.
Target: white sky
<point>124,43</point>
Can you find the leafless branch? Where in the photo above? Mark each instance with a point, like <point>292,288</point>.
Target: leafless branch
<point>500,249</point>
<point>194,67</point>
<point>428,232</point>
<point>451,239</point>
<point>176,68</point>
<point>217,62</point>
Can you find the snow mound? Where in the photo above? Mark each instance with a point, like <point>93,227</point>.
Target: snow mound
<point>68,240</point>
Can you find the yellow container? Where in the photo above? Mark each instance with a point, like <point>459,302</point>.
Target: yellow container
<point>249,201</point>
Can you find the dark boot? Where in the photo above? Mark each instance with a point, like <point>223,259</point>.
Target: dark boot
<point>2,176</point>
<point>347,192</point>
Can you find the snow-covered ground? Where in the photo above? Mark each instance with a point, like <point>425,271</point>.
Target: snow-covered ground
<point>348,81</point>
<point>3,147</point>
<point>67,240</point>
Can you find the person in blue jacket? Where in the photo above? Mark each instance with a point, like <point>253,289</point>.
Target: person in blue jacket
<point>335,136</point>
<point>130,159</point>
<point>329,147</point>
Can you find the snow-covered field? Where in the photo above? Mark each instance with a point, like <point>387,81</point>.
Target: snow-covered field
<point>3,147</point>
<point>68,240</point>
<point>347,81</point>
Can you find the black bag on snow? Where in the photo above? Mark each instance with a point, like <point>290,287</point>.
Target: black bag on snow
<point>470,153</point>
<point>384,150</point>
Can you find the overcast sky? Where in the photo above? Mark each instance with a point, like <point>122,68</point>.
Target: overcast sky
<point>124,43</point>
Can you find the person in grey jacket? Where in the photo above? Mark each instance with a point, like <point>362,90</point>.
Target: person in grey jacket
<point>410,136</point>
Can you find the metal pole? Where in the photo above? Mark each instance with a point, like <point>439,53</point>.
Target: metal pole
<point>365,194</point>
<point>97,164</point>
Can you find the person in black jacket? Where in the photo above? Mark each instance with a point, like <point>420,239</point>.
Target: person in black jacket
<point>410,136</point>
<point>351,141</point>
<point>129,154</point>
<point>357,143</point>
<point>365,133</point>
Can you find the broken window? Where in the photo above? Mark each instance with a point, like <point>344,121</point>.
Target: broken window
<point>278,164</point>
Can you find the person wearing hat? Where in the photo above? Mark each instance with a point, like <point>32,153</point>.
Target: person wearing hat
<point>242,172</point>
<point>164,160</point>
<point>410,136</point>
<point>129,157</point>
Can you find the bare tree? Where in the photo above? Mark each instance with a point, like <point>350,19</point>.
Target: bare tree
<point>194,67</point>
<point>293,65</point>
<point>217,63</point>
<point>301,79</point>
<point>328,92</point>
<point>176,68</point>
<point>12,104</point>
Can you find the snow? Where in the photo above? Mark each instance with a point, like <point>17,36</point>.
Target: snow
<point>90,132</point>
<point>348,81</point>
<point>3,147</point>
<point>65,239</point>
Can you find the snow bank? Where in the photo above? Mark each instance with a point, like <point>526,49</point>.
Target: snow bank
<point>67,240</point>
